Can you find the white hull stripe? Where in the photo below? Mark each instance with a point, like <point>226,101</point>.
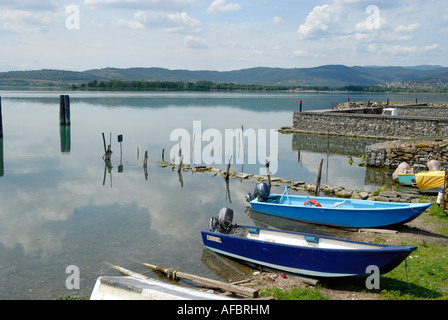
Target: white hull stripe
<point>288,269</point>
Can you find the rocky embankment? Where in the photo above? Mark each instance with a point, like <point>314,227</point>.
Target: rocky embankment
<point>336,191</point>
<point>416,153</point>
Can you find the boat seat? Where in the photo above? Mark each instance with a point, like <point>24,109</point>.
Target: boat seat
<point>338,204</point>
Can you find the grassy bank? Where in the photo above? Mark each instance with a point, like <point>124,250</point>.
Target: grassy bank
<point>423,275</point>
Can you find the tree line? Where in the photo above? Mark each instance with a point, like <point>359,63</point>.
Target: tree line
<point>205,85</point>
<point>172,86</point>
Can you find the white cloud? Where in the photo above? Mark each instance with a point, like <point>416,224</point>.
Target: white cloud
<point>140,16</point>
<point>193,42</point>
<point>316,21</point>
<point>129,24</point>
<point>139,21</point>
<point>25,21</point>
<point>31,5</point>
<point>159,5</point>
<point>409,28</point>
<point>223,6</point>
<point>183,18</point>
<point>300,53</point>
<point>277,19</point>
<point>398,49</point>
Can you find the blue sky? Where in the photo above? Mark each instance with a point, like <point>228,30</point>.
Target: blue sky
<point>220,34</point>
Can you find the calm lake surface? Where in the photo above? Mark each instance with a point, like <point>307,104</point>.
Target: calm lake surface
<point>60,206</point>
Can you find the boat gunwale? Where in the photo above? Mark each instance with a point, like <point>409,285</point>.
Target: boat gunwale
<point>398,206</point>
<point>381,247</point>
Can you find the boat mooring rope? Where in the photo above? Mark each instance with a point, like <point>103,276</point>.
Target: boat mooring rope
<point>171,274</point>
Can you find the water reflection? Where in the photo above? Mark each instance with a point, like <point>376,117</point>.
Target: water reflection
<point>331,144</point>
<point>59,206</point>
<point>2,163</point>
<point>65,137</point>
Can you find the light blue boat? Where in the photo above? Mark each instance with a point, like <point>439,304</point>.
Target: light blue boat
<point>406,179</point>
<point>339,212</point>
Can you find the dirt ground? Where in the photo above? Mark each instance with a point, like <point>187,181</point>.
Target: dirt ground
<point>417,231</point>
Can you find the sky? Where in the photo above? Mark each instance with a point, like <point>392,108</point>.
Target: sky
<point>220,35</point>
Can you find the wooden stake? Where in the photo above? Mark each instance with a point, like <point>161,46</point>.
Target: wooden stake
<point>268,173</point>
<point>64,110</point>
<point>67,110</point>
<point>316,193</point>
<point>180,163</point>
<point>145,160</point>
<point>205,281</point>
<point>1,119</point>
<point>104,142</point>
<point>228,169</point>
<point>108,151</point>
<point>61,110</point>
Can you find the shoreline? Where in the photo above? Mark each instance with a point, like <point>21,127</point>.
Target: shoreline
<point>336,191</point>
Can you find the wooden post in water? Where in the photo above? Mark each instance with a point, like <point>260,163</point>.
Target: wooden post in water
<point>316,193</point>
<point>64,110</point>
<point>181,161</point>
<point>268,173</point>
<point>107,152</point>
<point>2,164</point>
<point>1,119</point>
<point>228,169</point>
<point>61,110</point>
<point>145,160</point>
<point>67,110</point>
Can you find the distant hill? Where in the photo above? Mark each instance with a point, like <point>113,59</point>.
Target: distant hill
<point>45,78</point>
<point>329,75</point>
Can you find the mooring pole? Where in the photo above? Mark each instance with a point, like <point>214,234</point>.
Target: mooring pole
<point>316,193</point>
<point>2,163</point>
<point>300,105</point>
<point>64,110</point>
<point>61,110</point>
<point>67,110</point>
<point>1,120</point>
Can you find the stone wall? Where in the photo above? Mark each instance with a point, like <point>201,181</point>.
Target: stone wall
<point>369,125</point>
<point>424,110</point>
<point>414,121</point>
<point>415,153</point>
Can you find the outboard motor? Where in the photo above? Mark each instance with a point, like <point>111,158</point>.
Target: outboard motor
<point>261,192</point>
<point>222,224</point>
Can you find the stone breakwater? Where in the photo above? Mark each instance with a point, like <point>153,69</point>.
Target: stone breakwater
<point>365,120</point>
<point>368,125</point>
<point>425,124</point>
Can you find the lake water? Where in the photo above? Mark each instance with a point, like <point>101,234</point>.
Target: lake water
<point>60,206</point>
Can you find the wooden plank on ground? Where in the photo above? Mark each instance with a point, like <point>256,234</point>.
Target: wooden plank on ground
<point>205,281</point>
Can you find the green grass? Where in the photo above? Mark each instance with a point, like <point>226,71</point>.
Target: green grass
<point>293,294</point>
<point>424,277</point>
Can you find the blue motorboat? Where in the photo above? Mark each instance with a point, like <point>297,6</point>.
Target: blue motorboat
<point>301,253</point>
<point>333,211</point>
